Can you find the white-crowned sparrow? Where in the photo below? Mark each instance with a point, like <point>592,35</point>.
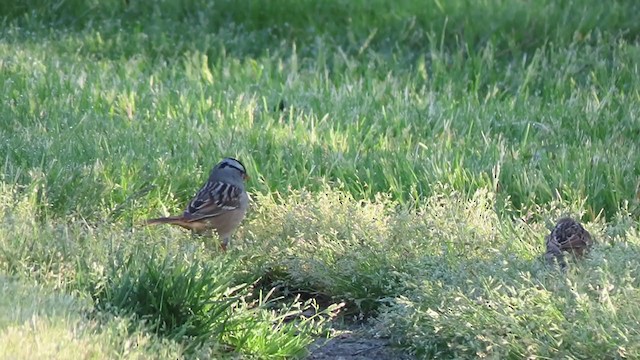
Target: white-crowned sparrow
<point>219,205</point>
<point>567,235</point>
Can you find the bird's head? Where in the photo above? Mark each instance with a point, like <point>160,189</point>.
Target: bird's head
<point>232,165</point>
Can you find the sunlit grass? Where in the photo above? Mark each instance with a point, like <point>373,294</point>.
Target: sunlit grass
<point>37,324</point>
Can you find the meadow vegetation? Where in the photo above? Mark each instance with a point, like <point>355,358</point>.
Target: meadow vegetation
<point>406,161</point>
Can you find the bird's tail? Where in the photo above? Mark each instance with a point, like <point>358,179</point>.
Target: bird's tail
<point>197,226</point>
<point>173,220</point>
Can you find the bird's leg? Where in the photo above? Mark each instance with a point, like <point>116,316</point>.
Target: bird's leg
<point>225,243</point>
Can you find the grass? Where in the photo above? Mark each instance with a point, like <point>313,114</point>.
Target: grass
<point>420,155</point>
<point>38,323</point>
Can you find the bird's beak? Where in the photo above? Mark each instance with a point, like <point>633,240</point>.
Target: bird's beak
<point>245,177</point>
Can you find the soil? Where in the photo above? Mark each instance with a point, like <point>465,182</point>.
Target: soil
<point>355,344</point>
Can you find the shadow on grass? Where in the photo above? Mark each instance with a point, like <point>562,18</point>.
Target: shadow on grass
<point>251,28</point>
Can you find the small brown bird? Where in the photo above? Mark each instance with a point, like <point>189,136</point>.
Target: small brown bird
<point>219,205</point>
<point>567,235</point>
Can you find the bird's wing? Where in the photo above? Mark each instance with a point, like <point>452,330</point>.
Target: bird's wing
<point>576,240</point>
<point>214,199</point>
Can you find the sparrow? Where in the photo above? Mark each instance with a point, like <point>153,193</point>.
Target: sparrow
<point>220,204</point>
<point>567,235</point>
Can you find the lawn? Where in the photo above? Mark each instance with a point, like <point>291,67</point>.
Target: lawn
<point>406,158</point>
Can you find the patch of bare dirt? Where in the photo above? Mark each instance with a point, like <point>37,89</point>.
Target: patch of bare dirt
<point>355,344</point>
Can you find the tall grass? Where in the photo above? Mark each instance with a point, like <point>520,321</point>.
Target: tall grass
<point>452,110</point>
